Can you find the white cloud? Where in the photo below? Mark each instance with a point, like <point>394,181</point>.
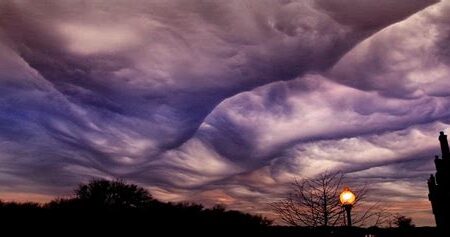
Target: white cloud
<point>96,39</point>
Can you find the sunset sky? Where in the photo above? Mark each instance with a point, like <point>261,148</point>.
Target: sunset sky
<point>223,101</point>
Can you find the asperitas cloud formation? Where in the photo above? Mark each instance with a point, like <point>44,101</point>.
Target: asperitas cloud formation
<point>223,101</point>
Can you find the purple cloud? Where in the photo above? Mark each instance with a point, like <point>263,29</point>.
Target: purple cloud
<point>222,100</point>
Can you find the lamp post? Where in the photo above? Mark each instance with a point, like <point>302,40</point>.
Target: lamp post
<point>347,199</point>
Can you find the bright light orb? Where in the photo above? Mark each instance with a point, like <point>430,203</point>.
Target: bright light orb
<point>347,197</point>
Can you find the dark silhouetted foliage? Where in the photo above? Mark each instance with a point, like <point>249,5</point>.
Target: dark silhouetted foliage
<point>115,205</point>
<point>403,222</point>
<point>113,194</point>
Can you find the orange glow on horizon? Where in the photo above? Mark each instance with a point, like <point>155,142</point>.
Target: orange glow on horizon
<point>25,197</point>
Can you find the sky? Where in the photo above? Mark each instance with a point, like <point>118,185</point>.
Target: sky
<point>223,101</point>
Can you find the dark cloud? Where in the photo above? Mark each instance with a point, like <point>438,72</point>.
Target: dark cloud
<point>368,14</point>
<point>218,100</point>
<point>97,60</point>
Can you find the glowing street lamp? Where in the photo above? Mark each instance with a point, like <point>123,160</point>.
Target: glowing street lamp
<point>347,199</point>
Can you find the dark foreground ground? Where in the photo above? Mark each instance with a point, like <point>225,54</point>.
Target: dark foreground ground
<point>114,223</point>
<point>348,232</point>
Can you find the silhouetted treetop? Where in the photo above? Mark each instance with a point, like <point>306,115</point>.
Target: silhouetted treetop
<point>403,221</point>
<point>117,194</point>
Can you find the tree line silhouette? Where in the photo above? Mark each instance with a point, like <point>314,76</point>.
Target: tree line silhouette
<point>116,205</point>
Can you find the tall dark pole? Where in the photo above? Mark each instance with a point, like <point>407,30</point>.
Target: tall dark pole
<point>347,199</point>
<point>348,209</point>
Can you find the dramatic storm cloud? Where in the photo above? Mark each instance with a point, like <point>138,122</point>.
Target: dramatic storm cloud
<point>223,101</point>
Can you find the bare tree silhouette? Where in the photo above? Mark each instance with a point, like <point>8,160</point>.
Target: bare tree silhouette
<point>314,202</point>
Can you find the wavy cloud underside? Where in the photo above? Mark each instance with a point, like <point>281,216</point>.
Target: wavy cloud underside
<point>223,101</point>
